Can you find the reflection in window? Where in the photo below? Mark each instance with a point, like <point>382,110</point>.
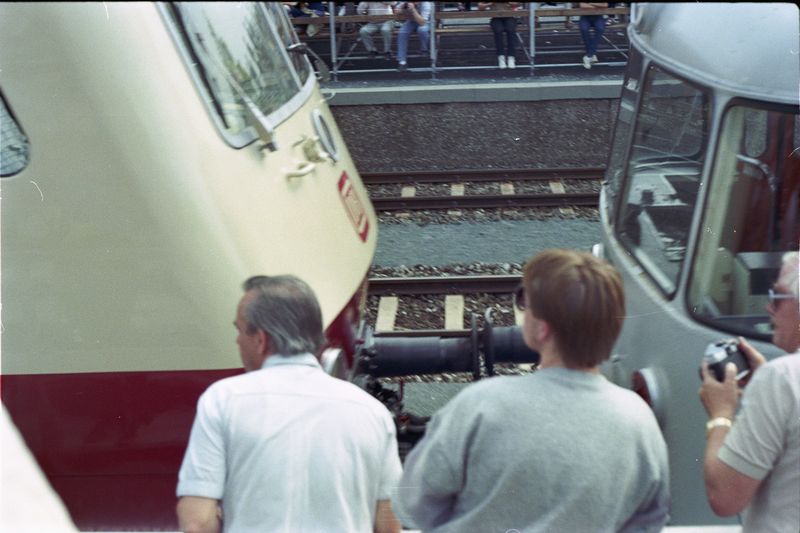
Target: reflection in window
<point>14,145</point>
<point>666,160</point>
<point>288,36</point>
<point>751,219</point>
<point>238,52</point>
<point>622,129</point>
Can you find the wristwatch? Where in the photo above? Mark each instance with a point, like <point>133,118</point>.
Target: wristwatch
<point>718,422</point>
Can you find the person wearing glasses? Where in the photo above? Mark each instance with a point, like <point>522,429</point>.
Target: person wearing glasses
<point>561,449</point>
<point>755,461</point>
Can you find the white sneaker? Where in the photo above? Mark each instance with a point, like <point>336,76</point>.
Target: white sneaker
<point>501,61</point>
<point>511,61</point>
<point>593,59</point>
<point>587,62</point>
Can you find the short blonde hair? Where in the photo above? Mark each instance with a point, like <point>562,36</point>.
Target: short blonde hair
<point>581,297</point>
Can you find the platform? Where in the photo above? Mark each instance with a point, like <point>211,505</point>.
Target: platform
<point>478,86</point>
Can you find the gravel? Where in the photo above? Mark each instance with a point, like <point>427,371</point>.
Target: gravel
<point>468,269</point>
<point>425,217</point>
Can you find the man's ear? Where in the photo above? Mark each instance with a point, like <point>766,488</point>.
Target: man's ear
<point>264,343</point>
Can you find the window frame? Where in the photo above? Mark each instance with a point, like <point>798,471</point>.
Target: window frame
<point>247,135</point>
<point>694,272</point>
<point>669,288</point>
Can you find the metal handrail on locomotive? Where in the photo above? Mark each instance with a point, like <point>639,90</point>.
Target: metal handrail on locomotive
<point>154,157</point>
<point>701,200</point>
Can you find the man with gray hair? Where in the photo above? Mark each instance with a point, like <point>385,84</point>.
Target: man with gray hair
<point>286,447</point>
<point>754,462</point>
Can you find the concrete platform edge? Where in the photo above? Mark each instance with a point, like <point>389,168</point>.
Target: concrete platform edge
<point>480,92</point>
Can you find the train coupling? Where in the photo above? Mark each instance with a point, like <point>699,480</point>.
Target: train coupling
<point>386,355</point>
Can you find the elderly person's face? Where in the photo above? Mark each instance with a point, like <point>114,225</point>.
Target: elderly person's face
<point>785,313</point>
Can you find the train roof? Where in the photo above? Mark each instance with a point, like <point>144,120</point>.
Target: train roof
<point>751,50</point>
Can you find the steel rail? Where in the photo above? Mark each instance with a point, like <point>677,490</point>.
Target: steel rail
<point>490,174</point>
<point>413,203</point>
<point>443,285</point>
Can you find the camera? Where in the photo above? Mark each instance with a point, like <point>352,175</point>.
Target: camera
<point>719,354</point>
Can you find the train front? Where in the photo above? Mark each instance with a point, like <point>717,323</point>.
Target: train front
<point>700,203</point>
<point>153,158</point>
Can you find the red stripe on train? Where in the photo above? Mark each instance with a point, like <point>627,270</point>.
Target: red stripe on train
<point>111,443</point>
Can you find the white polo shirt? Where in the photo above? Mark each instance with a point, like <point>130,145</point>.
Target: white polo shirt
<point>289,448</point>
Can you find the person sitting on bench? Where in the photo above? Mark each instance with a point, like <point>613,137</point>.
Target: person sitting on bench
<point>366,31</point>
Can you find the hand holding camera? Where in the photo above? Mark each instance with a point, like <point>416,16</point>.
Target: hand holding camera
<point>722,382</point>
<point>719,354</point>
<point>737,351</point>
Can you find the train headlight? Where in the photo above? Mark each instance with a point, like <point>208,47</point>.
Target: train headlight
<point>324,134</point>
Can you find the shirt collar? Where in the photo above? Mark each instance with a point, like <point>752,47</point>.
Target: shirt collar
<point>305,359</point>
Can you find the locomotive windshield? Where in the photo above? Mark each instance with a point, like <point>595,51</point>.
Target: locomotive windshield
<point>238,50</point>
<point>666,159</point>
<point>14,145</point>
<point>752,218</point>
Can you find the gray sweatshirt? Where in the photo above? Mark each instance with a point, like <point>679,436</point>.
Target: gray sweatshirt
<point>558,450</point>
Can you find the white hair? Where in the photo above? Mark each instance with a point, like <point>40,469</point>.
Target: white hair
<point>287,309</point>
<point>791,278</point>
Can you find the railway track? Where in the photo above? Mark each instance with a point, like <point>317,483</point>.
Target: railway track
<point>443,285</point>
<point>518,188</point>
<point>447,300</point>
<point>482,175</point>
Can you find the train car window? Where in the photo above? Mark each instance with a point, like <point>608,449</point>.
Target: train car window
<point>288,36</point>
<point>663,175</point>
<point>751,219</point>
<point>233,50</point>
<point>14,146</point>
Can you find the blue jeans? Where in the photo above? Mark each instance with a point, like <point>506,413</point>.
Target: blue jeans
<point>599,24</point>
<point>404,35</point>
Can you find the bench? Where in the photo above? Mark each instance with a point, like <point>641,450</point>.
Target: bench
<point>329,29</point>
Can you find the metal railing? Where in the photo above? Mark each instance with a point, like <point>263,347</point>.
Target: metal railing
<point>532,13</point>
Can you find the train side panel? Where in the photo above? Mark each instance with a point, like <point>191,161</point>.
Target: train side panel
<point>124,243</point>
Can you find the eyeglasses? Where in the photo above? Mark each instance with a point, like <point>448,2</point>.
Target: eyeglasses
<point>774,297</point>
<point>519,297</point>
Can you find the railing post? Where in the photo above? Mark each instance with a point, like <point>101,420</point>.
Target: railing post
<point>432,46</point>
<point>532,33</point>
<point>332,29</point>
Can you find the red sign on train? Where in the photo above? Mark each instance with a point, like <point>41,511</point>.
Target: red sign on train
<point>353,206</point>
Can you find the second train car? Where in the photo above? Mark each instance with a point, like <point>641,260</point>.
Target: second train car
<point>153,157</point>
<point>701,200</point>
